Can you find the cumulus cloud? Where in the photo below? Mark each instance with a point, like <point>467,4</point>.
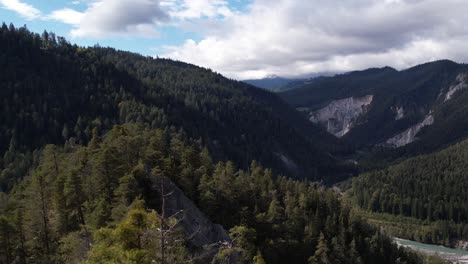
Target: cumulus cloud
<point>192,9</point>
<point>110,18</point>
<point>67,15</point>
<point>281,37</point>
<point>141,18</point>
<point>295,37</point>
<point>25,10</point>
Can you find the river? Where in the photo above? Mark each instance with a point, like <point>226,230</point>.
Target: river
<point>451,254</point>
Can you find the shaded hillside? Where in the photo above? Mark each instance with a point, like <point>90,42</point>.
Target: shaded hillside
<point>416,110</point>
<point>55,92</point>
<point>429,187</point>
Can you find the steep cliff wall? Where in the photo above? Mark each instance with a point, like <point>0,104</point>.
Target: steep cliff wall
<point>461,83</point>
<point>409,135</point>
<point>200,231</point>
<point>339,116</point>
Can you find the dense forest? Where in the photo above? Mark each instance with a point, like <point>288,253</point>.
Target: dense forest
<point>112,157</point>
<point>100,199</point>
<point>429,187</point>
<point>53,91</point>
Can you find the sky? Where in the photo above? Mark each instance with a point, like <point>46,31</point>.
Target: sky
<point>246,39</point>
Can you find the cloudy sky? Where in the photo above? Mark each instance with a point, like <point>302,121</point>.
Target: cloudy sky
<point>255,38</point>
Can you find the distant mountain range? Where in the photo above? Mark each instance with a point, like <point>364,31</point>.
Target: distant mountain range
<point>271,83</point>
<point>276,83</point>
<point>412,111</point>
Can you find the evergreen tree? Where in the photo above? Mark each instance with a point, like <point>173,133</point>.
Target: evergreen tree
<point>258,259</point>
<point>321,252</point>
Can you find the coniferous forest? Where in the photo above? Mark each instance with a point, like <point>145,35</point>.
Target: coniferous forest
<point>430,187</point>
<point>53,91</point>
<point>112,157</point>
<point>103,199</point>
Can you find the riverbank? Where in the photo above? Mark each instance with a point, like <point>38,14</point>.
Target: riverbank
<point>450,254</point>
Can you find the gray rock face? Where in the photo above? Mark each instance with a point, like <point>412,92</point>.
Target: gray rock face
<point>202,234</point>
<point>287,161</point>
<point>409,135</point>
<point>461,83</point>
<point>339,116</point>
<point>400,113</point>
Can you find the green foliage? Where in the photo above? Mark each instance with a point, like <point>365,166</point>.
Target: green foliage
<point>429,187</point>
<point>435,260</point>
<point>134,240</point>
<point>228,255</point>
<point>58,93</point>
<point>321,253</point>
<point>258,259</point>
<point>145,119</point>
<point>435,232</point>
<point>274,219</point>
<point>6,243</point>
<point>244,238</point>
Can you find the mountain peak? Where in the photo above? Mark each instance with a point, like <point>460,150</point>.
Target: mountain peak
<point>435,64</point>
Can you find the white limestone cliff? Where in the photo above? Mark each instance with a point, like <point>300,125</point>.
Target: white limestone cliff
<point>339,116</point>
<point>461,83</point>
<point>409,135</point>
<point>400,113</point>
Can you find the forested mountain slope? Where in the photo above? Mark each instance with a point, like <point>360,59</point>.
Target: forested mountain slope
<point>55,92</point>
<point>100,204</point>
<point>413,111</point>
<point>430,187</point>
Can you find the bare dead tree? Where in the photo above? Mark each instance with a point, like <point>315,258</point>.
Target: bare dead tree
<point>169,224</point>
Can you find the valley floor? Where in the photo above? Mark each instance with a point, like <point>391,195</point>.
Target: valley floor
<point>449,254</point>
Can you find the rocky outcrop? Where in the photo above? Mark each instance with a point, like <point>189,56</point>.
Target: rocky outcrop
<point>400,113</point>
<point>409,135</point>
<point>199,230</point>
<point>339,116</point>
<point>461,83</point>
<point>289,163</point>
<point>461,244</point>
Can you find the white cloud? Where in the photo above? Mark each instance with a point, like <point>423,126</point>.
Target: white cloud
<point>25,10</point>
<point>193,9</point>
<point>281,37</point>
<point>141,18</point>
<point>114,18</point>
<point>295,37</point>
<point>67,15</point>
